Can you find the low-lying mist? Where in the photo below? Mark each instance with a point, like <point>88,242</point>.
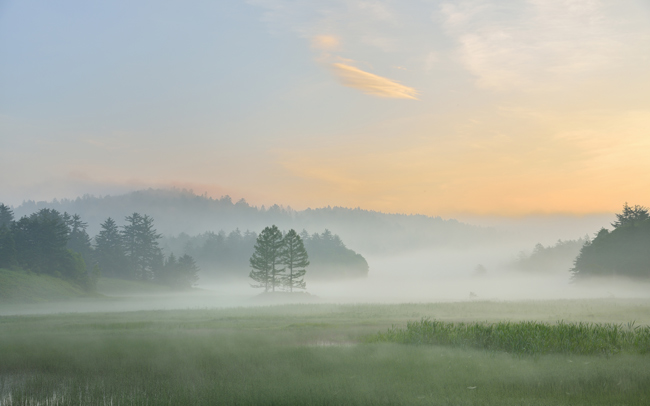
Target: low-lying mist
<point>425,276</point>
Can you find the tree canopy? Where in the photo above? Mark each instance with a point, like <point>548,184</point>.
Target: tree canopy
<point>624,251</point>
<point>265,261</point>
<point>294,257</point>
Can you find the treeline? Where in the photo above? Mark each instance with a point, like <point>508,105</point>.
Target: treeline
<point>226,256</point>
<point>47,242</point>
<point>177,211</point>
<point>624,251</point>
<point>56,244</point>
<point>134,252</point>
<point>552,258</point>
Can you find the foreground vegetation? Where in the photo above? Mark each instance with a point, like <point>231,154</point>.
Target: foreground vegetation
<point>305,354</point>
<point>526,337</point>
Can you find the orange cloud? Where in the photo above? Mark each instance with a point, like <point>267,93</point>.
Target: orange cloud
<point>372,84</point>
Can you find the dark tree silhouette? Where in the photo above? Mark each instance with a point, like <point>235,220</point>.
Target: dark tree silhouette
<point>624,251</point>
<point>265,260</point>
<point>295,259</point>
<point>109,251</point>
<point>631,216</point>
<point>141,246</point>
<point>6,216</point>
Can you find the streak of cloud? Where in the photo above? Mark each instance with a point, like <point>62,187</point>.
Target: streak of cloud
<point>371,84</point>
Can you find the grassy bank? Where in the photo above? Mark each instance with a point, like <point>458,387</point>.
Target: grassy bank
<point>525,338</point>
<point>25,287</point>
<point>295,354</point>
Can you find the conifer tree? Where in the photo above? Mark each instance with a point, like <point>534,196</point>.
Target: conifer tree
<point>78,239</point>
<point>141,246</point>
<point>295,259</point>
<point>7,249</point>
<point>7,244</point>
<point>6,216</point>
<point>265,261</point>
<point>109,251</point>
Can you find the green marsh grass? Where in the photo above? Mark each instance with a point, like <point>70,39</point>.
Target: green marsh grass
<point>525,337</point>
<point>295,355</point>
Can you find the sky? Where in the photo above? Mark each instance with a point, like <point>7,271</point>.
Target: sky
<point>478,107</point>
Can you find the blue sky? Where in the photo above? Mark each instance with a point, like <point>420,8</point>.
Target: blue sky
<point>435,107</point>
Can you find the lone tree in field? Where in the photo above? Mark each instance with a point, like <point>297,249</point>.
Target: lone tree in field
<point>294,257</point>
<point>266,259</point>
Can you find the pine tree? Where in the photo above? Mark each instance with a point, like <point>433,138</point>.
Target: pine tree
<point>141,246</point>
<point>631,216</point>
<point>6,216</point>
<point>78,239</point>
<point>265,260</point>
<point>7,249</point>
<point>109,251</point>
<point>7,244</point>
<point>41,240</point>
<point>294,257</point>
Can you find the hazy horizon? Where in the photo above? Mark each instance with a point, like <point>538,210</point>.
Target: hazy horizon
<point>439,108</point>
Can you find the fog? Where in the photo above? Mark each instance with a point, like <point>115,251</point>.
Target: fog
<point>477,272</point>
<point>446,276</point>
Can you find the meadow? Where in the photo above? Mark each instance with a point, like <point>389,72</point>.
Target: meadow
<point>312,354</point>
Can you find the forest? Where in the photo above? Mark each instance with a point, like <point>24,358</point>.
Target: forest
<point>182,211</point>
<point>48,242</point>
<point>624,251</point>
<point>58,244</point>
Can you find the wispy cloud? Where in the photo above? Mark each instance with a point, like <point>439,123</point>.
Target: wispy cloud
<point>537,43</point>
<point>372,84</point>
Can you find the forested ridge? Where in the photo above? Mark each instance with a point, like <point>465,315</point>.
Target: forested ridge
<point>51,243</point>
<point>182,211</point>
<point>57,244</point>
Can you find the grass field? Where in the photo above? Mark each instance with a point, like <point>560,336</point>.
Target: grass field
<point>315,354</point>
<point>22,286</point>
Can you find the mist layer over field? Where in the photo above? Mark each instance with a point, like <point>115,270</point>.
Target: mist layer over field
<point>422,277</point>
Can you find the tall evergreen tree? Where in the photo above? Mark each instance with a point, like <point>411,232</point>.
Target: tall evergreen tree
<point>265,261</point>
<point>631,216</point>
<point>7,248</point>
<point>295,259</point>
<point>41,241</point>
<point>141,246</point>
<point>109,251</point>
<point>6,216</point>
<point>7,244</point>
<point>78,239</point>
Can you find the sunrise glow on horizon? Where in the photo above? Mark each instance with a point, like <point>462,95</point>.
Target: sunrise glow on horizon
<point>438,108</point>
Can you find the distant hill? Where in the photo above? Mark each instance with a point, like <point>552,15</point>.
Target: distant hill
<point>181,211</point>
